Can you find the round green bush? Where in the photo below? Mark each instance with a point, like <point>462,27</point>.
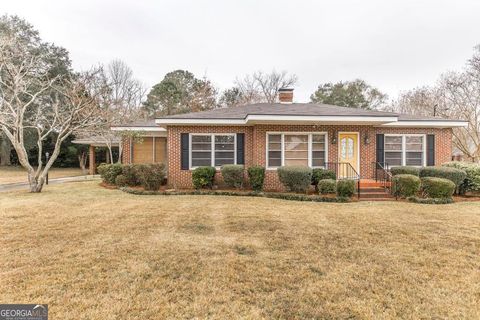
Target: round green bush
<point>472,181</point>
<point>457,176</point>
<point>202,177</point>
<point>295,178</point>
<point>121,181</point>
<point>326,186</point>
<point>437,187</point>
<point>233,175</point>
<point>405,185</point>
<point>130,172</point>
<point>109,172</point>
<point>321,174</point>
<point>151,175</point>
<point>345,188</point>
<point>405,170</point>
<point>256,176</point>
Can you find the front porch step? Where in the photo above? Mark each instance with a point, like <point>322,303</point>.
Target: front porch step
<point>375,193</point>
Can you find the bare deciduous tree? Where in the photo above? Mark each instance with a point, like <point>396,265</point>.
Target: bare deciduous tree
<point>456,96</point>
<point>121,104</point>
<point>270,83</point>
<point>256,88</point>
<point>31,100</point>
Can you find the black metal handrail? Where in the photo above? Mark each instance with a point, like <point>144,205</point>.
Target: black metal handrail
<point>382,174</point>
<point>343,171</point>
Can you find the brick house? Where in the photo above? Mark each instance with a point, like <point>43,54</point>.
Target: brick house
<point>354,142</point>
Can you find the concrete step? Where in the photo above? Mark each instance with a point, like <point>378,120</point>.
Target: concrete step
<point>377,199</point>
<point>375,195</point>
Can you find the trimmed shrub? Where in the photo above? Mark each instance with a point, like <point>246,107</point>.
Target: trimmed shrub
<point>405,170</point>
<point>326,186</point>
<point>121,181</point>
<point>151,176</point>
<point>405,185</point>
<point>233,175</point>
<point>437,187</point>
<point>256,176</point>
<point>202,177</point>
<point>345,188</point>
<point>321,174</point>
<point>130,172</point>
<point>109,172</point>
<point>295,178</point>
<point>430,200</point>
<point>472,181</point>
<point>457,176</point>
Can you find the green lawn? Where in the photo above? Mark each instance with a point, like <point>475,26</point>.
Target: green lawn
<point>93,253</point>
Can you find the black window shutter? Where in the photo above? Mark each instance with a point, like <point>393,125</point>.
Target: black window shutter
<point>430,149</point>
<point>240,148</point>
<point>380,148</point>
<point>185,153</point>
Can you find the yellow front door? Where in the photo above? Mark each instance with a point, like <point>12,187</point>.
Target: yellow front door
<point>348,153</point>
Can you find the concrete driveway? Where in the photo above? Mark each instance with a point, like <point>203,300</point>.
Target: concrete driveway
<point>24,185</point>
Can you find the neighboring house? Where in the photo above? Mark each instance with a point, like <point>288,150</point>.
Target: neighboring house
<point>286,133</point>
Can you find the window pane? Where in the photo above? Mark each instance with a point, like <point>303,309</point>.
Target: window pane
<point>296,150</point>
<point>414,150</point>
<point>224,150</point>
<point>296,162</point>
<point>201,162</point>
<point>393,158</point>
<point>274,150</point>
<point>200,139</point>
<point>201,151</point>
<point>318,150</point>
<point>393,143</point>
<point>414,158</point>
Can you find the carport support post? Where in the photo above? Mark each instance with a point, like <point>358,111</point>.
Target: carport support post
<point>91,160</point>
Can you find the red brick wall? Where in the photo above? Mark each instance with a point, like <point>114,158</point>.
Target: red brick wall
<point>126,150</point>
<point>255,144</point>
<point>178,178</point>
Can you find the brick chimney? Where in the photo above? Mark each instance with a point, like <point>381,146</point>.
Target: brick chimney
<point>285,95</point>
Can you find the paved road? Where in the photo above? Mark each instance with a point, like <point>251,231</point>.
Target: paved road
<point>24,185</point>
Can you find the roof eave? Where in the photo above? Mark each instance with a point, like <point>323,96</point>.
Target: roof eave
<point>269,119</point>
<point>426,124</point>
<point>138,128</point>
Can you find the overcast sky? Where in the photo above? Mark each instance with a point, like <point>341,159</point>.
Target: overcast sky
<point>394,45</point>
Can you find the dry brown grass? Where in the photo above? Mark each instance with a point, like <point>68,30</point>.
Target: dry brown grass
<point>18,174</point>
<point>92,253</point>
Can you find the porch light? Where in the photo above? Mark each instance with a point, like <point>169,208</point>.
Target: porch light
<point>367,139</point>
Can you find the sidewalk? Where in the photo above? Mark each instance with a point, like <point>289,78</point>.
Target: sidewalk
<point>24,185</point>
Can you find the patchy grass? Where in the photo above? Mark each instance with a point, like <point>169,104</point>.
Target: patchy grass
<point>18,174</point>
<point>103,254</point>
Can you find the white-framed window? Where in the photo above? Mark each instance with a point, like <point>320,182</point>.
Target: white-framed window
<point>299,149</point>
<point>405,150</point>
<point>212,149</point>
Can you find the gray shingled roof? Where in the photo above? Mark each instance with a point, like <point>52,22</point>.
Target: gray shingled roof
<point>295,109</point>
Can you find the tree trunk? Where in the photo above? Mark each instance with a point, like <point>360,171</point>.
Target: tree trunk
<point>82,159</point>
<point>5,151</point>
<point>36,184</point>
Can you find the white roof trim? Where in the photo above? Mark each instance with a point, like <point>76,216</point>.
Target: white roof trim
<point>138,129</point>
<point>278,118</point>
<point>427,124</point>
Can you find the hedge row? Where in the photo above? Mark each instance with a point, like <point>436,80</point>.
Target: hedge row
<point>149,176</point>
<point>472,171</point>
<point>274,195</point>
